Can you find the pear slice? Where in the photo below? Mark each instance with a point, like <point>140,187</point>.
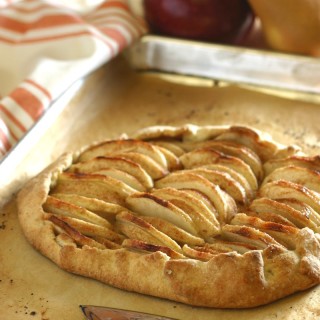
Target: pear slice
<point>112,147</point>
<point>151,205</point>
<point>179,235</point>
<point>136,228</point>
<point>59,207</point>
<point>142,246</point>
<point>201,157</point>
<point>102,208</point>
<point>224,181</point>
<point>223,203</point>
<point>285,235</point>
<point>312,163</point>
<point>125,165</point>
<point>248,235</point>
<point>148,164</point>
<point>284,189</point>
<point>303,176</point>
<point>205,221</point>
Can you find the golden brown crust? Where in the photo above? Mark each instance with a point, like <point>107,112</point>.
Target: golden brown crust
<point>229,279</point>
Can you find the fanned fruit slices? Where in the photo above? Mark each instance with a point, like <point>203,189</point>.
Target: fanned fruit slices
<point>215,216</point>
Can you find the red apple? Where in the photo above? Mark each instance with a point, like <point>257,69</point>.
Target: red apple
<point>205,20</point>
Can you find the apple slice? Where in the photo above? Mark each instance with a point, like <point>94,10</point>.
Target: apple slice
<point>201,157</point>
<point>123,176</point>
<point>90,229</point>
<point>286,211</point>
<point>109,182</point>
<point>284,189</point>
<point>147,163</point>
<point>285,235</point>
<point>179,235</point>
<point>134,244</point>
<point>135,228</point>
<point>204,199</point>
<point>236,150</point>
<point>200,253</point>
<point>100,207</point>
<point>312,218</point>
<point>312,163</point>
<point>271,210</point>
<point>93,186</point>
<point>224,181</point>
<point>59,207</point>
<point>171,146</point>
<point>156,132</point>
<point>261,144</point>
<point>234,175</point>
<point>299,175</point>
<point>205,221</point>
<point>111,147</point>
<point>223,203</point>
<point>150,205</point>
<point>73,233</point>
<point>173,162</point>
<point>107,243</point>
<point>229,246</point>
<point>125,165</point>
<point>248,235</point>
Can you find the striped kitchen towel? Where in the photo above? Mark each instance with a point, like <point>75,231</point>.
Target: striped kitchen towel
<point>46,45</point>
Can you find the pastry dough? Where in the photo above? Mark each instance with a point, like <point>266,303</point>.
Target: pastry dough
<point>183,213</point>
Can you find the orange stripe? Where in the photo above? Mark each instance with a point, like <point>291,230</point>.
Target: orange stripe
<point>12,118</point>
<point>16,7</point>
<point>117,36</point>
<point>5,140</point>
<point>44,22</point>
<point>113,4</point>
<point>138,24</point>
<point>38,86</point>
<point>104,25</point>
<point>70,35</point>
<point>31,104</point>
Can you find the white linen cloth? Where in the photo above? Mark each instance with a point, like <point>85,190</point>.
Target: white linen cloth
<point>46,45</point>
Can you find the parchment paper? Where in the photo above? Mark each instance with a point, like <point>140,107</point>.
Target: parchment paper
<point>115,100</point>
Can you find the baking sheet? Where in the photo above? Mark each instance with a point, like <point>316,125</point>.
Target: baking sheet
<point>113,100</point>
<point>289,75</point>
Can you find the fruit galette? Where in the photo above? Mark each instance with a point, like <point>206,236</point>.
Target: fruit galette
<point>215,216</point>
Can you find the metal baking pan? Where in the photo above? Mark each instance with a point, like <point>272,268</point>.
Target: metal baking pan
<point>292,76</point>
